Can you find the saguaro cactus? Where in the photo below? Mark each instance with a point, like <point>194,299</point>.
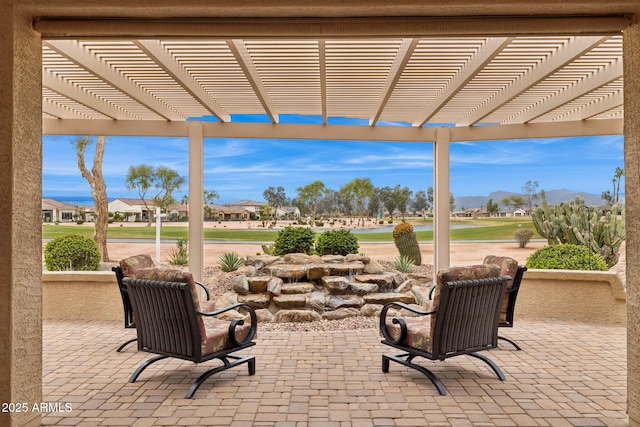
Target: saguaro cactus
<point>407,242</point>
<point>574,222</point>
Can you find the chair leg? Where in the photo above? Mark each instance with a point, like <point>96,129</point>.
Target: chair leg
<point>490,362</point>
<point>144,366</point>
<point>510,341</point>
<point>251,362</point>
<point>408,363</point>
<point>119,349</point>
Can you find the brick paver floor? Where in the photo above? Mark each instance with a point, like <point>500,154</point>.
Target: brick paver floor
<point>568,374</point>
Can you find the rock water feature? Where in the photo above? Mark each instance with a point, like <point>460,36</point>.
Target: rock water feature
<point>300,287</point>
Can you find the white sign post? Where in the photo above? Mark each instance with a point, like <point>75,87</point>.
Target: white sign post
<point>158,234</point>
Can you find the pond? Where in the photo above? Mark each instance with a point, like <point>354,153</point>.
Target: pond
<point>389,228</point>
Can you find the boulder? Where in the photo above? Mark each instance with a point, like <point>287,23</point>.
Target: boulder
<point>240,284</point>
<point>347,268</point>
<point>340,313</point>
<point>274,287</point>
<point>371,310</point>
<point>373,267</point>
<point>296,258</point>
<point>298,288</point>
<point>287,271</point>
<point>256,300</point>
<point>363,288</point>
<point>338,301</point>
<point>385,297</point>
<point>290,301</point>
<point>264,315</point>
<point>336,284</point>
<point>296,316</point>
<point>317,271</point>
<point>317,301</point>
<point>258,284</point>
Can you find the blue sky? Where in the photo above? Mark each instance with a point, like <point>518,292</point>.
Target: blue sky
<point>243,168</point>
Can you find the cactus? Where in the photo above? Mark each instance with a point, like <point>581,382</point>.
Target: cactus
<point>407,242</point>
<point>573,222</point>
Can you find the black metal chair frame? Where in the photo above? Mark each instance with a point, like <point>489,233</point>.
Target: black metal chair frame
<point>168,326</point>
<point>466,323</point>
<point>511,304</point>
<point>126,305</point>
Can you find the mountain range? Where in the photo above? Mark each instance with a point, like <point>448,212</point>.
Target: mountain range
<point>553,196</point>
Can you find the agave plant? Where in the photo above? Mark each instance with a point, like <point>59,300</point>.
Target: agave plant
<point>403,264</point>
<point>230,261</point>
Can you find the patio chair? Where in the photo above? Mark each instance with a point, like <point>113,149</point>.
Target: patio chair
<point>127,268</point>
<point>508,267</point>
<point>463,320</point>
<point>169,323</point>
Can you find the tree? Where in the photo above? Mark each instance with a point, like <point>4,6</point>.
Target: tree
<point>98,189</point>
<point>513,202</point>
<point>420,203</point>
<point>276,198</point>
<point>185,202</point>
<point>361,190</point>
<point>210,196</point>
<point>163,179</point>
<point>617,177</point>
<point>401,196</point>
<point>492,208</point>
<point>310,196</point>
<point>389,203</point>
<point>529,194</point>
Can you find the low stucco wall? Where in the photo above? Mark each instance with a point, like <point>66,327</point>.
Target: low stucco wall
<point>584,296</point>
<point>81,295</point>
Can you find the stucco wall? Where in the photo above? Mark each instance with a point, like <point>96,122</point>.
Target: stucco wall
<point>90,295</point>
<point>583,296</point>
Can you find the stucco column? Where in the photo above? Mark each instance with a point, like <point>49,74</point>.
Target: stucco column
<point>632,201</point>
<point>196,202</point>
<point>20,222</point>
<point>441,195</point>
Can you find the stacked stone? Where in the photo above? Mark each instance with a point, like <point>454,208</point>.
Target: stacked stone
<point>301,287</point>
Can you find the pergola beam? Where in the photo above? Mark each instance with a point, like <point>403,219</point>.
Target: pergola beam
<point>573,49</point>
<point>242,55</point>
<point>323,132</point>
<point>483,56</point>
<point>74,51</point>
<point>156,51</point>
<point>395,72</point>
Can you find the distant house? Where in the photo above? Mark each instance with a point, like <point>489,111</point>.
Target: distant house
<point>132,209</point>
<point>238,209</point>
<point>520,212</point>
<point>53,210</point>
<point>288,211</point>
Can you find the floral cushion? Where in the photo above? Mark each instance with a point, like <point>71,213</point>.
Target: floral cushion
<point>130,265</point>
<point>418,332</point>
<point>508,267</point>
<point>217,334</point>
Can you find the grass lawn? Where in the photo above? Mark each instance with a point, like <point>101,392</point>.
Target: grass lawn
<point>479,229</point>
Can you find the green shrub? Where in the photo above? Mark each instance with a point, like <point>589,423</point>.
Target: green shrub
<point>566,257</point>
<point>180,254</point>
<point>522,236</point>
<point>294,240</point>
<point>230,261</point>
<point>72,252</point>
<point>337,242</point>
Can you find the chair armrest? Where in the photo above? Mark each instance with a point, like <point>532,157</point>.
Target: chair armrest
<point>431,290</point>
<point>398,321</point>
<point>206,290</point>
<point>237,322</point>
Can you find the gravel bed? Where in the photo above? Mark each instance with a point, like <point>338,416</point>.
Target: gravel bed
<point>219,282</point>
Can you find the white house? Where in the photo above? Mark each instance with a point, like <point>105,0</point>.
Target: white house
<point>53,210</point>
<point>132,209</point>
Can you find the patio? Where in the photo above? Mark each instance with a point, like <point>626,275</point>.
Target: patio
<point>568,374</point>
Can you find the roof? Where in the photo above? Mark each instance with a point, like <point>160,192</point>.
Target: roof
<point>419,81</point>
<point>133,201</point>
<point>48,204</point>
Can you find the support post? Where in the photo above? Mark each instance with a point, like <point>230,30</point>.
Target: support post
<point>631,58</point>
<point>196,200</point>
<point>441,194</point>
